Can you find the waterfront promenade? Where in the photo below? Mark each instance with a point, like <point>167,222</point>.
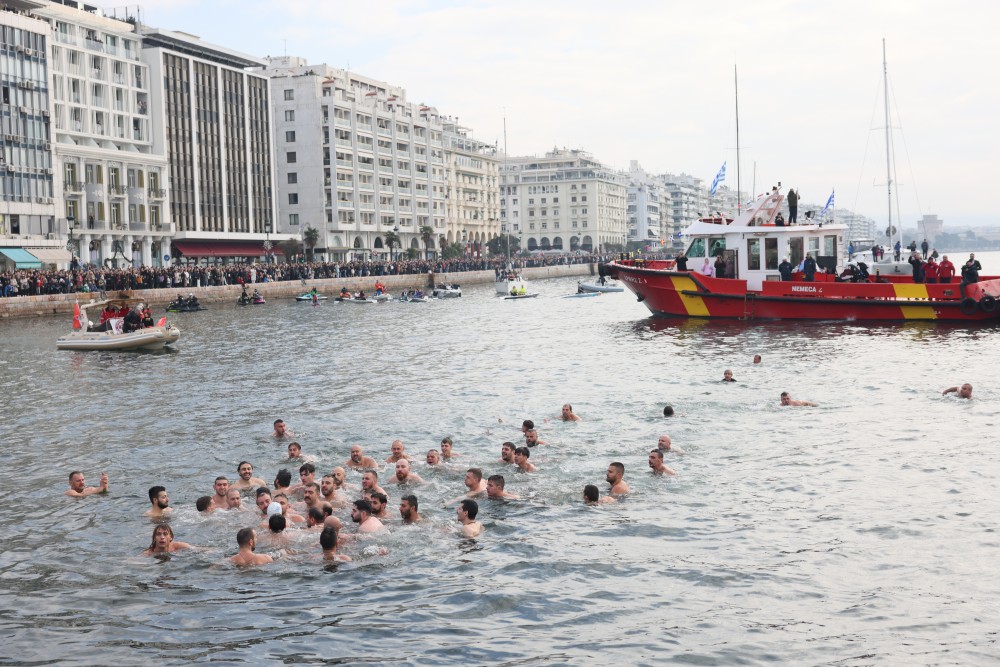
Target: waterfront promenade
<point>56,304</point>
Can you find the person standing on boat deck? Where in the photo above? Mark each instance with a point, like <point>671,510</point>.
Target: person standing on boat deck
<point>946,270</point>
<point>720,266</point>
<point>918,266</point>
<point>707,269</point>
<point>931,270</point>
<point>934,253</point>
<point>785,269</point>
<point>896,250</point>
<point>970,273</point>
<point>809,268</point>
<point>975,262</point>
<point>793,206</point>
<point>925,246</point>
<point>681,261</point>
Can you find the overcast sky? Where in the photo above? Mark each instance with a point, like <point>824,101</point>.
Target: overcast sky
<point>653,82</point>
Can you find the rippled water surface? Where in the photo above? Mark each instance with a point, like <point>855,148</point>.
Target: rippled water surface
<point>862,531</point>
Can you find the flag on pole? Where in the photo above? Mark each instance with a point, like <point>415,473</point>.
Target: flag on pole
<point>78,322</point>
<point>829,202</point>
<point>720,177</point>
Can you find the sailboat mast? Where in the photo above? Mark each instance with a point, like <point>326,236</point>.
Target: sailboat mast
<point>888,147</point>
<point>739,195</point>
<point>508,226</point>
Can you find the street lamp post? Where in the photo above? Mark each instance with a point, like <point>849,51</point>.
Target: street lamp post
<point>70,246</point>
<point>395,230</point>
<point>267,243</point>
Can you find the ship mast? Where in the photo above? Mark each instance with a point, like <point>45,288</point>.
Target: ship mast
<point>739,195</point>
<point>888,146</point>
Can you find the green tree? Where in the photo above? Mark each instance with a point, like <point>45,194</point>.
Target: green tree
<point>452,251</point>
<point>310,237</point>
<point>427,236</point>
<point>291,248</point>
<point>499,245</point>
<point>392,240</point>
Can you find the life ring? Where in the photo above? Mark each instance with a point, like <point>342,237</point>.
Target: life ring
<point>968,306</point>
<point>988,303</point>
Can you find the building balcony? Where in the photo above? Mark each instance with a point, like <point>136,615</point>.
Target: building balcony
<point>73,186</point>
<point>156,193</point>
<point>117,190</point>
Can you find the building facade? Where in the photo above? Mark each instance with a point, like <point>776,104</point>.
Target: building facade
<point>564,201</point>
<point>216,135</point>
<point>356,160</point>
<point>646,206</point>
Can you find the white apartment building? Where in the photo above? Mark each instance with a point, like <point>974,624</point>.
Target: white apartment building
<point>28,211</point>
<point>565,200</point>
<point>356,160</point>
<point>216,136</point>
<point>108,175</point>
<point>646,204</point>
<point>689,200</point>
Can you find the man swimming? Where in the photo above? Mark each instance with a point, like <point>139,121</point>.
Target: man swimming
<point>965,391</point>
<point>281,430</point>
<point>234,501</point>
<point>531,438</point>
<point>246,540</point>
<point>408,506</point>
<point>246,480</point>
<point>656,463</point>
<point>447,449</point>
<point>568,415</point>
<point>466,513</point>
<point>328,543</point>
<point>615,477</point>
<point>786,399</point>
<point>369,483</point>
<point>221,487</point>
<point>507,452</point>
<point>160,502</point>
<point>398,452</point>
<point>495,489</point>
<point>433,458</point>
<point>592,496</point>
<point>358,460</point>
<point>361,514</point>
<point>380,505</point>
<point>79,489</point>
<point>404,475</point>
<point>521,455</point>
<point>664,445</point>
<point>163,542</point>
<point>474,481</point>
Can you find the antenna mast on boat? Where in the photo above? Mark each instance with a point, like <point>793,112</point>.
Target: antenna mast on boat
<point>888,146</point>
<point>739,195</point>
<point>508,225</point>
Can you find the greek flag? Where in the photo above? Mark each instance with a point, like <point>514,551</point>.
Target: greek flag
<point>721,176</point>
<point>829,202</point>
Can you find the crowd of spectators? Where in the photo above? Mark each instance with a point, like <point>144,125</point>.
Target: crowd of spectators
<point>91,278</point>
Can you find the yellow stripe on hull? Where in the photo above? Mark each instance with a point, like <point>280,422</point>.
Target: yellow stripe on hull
<point>914,291</point>
<point>694,305</point>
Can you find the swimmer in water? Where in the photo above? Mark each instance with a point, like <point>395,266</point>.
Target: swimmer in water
<point>160,502</point>
<point>369,483</point>
<point>246,540</point>
<point>361,514</point>
<point>567,414</point>
<point>664,445</point>
<point>615,477</point>
<point>408,506</point>
<point>294,451</point>
<point>221,487</point>
<point>965,391</point>
<point>727,376</point>
<point>233,499</point>
<point>495,489</point>
<point>786,399</point>
<point>521,455</point>
<point>433,457</point>
<point>281,430</point>
<point>404,475</point>
<point>398,452</point>
<point>668,411</point>
<point>246,480</point>
<point>656,463</point>
<point>163,542</point>
<point>328,543</point>
<point>204,504</point>
<point>447,449</point>
<point>756,359</point>
<point>380,505</point>
<point>592,496</point>
<point>507,452</point>
<point>79,489</point>
<point>474,482</point>
<point>358,460</point>
<point>466,512</point>
<point>531,438</point>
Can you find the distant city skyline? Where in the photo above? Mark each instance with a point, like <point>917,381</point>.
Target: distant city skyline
<point>655,84</point>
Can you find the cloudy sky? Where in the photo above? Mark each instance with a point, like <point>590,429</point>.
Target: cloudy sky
<point>653,81</point>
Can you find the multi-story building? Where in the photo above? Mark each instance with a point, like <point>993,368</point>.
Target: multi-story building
<point>356,161</point>
<point>689,200</point>
<point>646,197</point>
<point>216,136</point>
<point>565,201</point>
<point>108,173</point>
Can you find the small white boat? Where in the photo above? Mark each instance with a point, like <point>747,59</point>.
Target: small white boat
<point>447,291</point>
<point>113,337</point>
<point>381,298</point>
<point>366,300</point>
<point>609,286</point>
<point>414,296</point>
<point>580,295</point>
<point>510,281</point>
<point>309,297</point>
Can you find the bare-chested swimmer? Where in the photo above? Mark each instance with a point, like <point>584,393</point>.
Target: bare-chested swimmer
<point>786,399</point>
<point>361,514</point>
<point>404,475</point>
<point>246,539</point>
<point>246,480</point>
<point>448,450</point>
<point>79,489</point>
<point>408,506</point>
<point>369,483</point>
<point>358,460</point>
<point>615,477</point>
<point>521,455</point>
<point>221,487</point>
<point>656,463</point>
<point>160,502</point>
<point>398,452</point>
<point>163,542</point>
<point>592,496</point>
<point>507,452</point>
<point>664,445</point>
<point>328,542</point>
<point>495,489</point>
<point>433,457</point>
<point>568,415</point>
<point>965,391</point>
<point>466,512</point>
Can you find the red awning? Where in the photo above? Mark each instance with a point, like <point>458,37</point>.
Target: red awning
<point>224,248</point>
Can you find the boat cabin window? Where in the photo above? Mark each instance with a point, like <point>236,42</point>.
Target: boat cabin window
<point>796,252</point>
<point>697,248</point>
<point>830,246</point>
<point>771,254</point>
<point>753,254</point>
<point>716,245</point>
<point>814,246</point>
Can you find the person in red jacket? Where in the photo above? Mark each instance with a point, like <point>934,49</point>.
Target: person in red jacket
<point>946,270</point>
<point>931,271</point>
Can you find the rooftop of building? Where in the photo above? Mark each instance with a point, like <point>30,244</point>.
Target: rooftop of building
<point>192,45</point>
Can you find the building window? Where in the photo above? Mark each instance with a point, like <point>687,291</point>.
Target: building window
<point>293,219</point>
<point>290,135</point>
<point>293,198</point>
<point>290,114</point>
<point>289,94</point>
<point>290,157</point>
<point>293,177</point>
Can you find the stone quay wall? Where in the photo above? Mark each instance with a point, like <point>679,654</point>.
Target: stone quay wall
<point>62,304</point>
